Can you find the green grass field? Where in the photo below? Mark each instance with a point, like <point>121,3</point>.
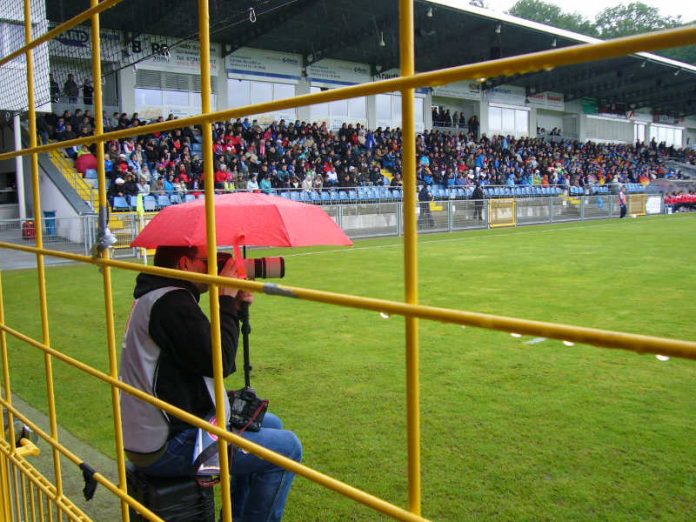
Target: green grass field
<point>510,430</point>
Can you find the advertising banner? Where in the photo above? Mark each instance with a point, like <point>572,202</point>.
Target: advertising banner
<point>546,100</point>
<point>164,54</point>
<point>395,73</point>
<point>260,62</point>
<point>145,51</point>
<point>466,90</point>
<point>332,73</point>
<point>507,94</point>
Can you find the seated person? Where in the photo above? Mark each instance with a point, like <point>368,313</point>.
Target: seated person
<point>168,353</point>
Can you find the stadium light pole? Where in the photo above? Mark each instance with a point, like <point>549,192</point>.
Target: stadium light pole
<point>407,58</point>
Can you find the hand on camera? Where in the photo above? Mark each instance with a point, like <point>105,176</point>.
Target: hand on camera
<point>230,270</point>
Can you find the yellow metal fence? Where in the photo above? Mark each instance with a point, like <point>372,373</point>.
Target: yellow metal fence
<point>41,497</point>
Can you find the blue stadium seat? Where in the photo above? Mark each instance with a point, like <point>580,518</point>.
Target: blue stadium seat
<point>91,174</point>
<point>175,199</point>
<point>133,201</point>
<point>189,197</point>
<point>149,204</point>
<point>325,197</point>
<point>163,201</point>
<point>120,204</point>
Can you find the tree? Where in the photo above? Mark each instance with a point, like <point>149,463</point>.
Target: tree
<point>549,14</point>
<point>613,22</point>
<point>634,18</point>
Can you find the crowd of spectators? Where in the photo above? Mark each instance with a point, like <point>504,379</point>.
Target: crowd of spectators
<point>310,156</point>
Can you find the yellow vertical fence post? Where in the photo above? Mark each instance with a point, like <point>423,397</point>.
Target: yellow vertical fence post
<point>40,265</point>
<point>106,270</point>
<point>5,475</point>
<point>410,256</point>
<point>220,399</point>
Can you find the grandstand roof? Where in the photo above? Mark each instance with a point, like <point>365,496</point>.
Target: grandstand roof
<point>448,33</point>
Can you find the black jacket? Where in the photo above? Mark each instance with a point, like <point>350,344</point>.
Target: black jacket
<point>182,331</point>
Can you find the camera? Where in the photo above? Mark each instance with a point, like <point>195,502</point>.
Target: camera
<point>246,409</point>
<point>257,268</point>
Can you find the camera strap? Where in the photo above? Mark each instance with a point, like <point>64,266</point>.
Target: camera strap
<point>205,462</point>
<point>239,262</point>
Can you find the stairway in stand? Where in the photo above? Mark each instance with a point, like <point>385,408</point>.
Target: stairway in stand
<point>86,189</point>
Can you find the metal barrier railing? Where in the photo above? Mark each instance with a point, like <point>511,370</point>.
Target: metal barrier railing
<point>12,455</point>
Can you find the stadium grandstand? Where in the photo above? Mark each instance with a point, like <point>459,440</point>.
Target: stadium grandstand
<point>561,133</point>
<point>110,122</point>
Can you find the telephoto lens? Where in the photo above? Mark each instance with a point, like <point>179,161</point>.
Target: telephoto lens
<point>265,267</point>
<point>257,268</point>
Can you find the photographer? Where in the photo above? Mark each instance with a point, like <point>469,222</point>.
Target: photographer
<point>168,353</point>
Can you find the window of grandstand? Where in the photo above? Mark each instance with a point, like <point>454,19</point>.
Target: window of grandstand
<point>389,111</point>
<point>608,128</point>
<point>160,93</point>
<point>508,120</point>
<point>670,135</point>
<point>339,112</point>
<point>11,39</point>
<point>639,132</point>
<point>8,188</point>
<point>246,92</point>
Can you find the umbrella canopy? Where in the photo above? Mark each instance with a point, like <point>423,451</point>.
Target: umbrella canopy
<point>244,218</point>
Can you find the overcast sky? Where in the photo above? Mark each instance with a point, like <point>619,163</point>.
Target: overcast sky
<point>590,8</point>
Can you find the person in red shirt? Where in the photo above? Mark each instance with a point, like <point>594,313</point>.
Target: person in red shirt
<point>221,177</point>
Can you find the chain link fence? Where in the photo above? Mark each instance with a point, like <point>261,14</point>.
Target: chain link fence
<point>358,219</point>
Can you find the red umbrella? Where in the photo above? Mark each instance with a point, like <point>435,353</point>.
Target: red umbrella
<point>244,218</point>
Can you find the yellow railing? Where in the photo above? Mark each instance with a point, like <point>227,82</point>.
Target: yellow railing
<point>67,168</point>
<point>13,463</point>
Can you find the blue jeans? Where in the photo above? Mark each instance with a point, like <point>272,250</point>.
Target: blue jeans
<point>260,489</point>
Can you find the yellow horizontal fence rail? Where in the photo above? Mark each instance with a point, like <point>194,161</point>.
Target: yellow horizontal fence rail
<point>60,29</point>
<point>12,462</point>
<point>230,437</point>
<point>592,336</point>
<point>38,481</point>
